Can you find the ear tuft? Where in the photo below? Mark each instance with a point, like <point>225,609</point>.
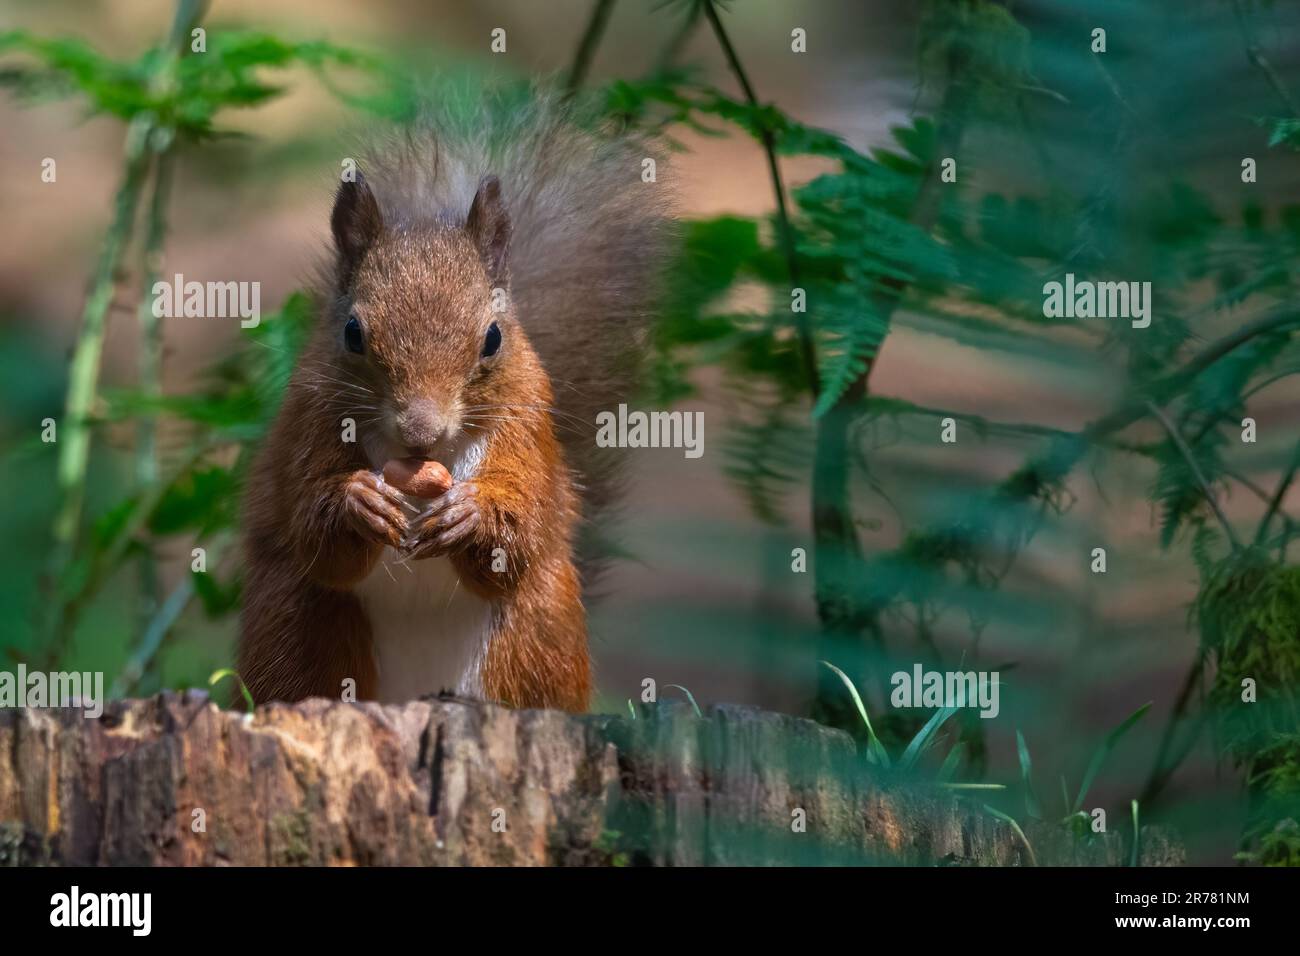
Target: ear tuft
<point>356,224</point>
<point>488,226</point>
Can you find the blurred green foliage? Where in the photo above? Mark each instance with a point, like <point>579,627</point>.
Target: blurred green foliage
<point>877,238</point>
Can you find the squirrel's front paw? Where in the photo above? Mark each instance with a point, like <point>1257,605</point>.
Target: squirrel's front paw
<point>374,509</point>
<point>447,524</point>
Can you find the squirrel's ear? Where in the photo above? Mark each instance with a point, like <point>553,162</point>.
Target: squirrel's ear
<point>488,226</point>
<point>355,222</point>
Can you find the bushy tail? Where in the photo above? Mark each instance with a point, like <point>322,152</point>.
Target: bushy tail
<point>587,250</point>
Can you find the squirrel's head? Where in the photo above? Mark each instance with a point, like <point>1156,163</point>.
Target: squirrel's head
<point>421,324</point>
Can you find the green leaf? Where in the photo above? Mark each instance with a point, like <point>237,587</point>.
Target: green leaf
<point>120,89</point>
<point>1282,131</point>
<point>768,458</point>
<point>218,600</point>
<point>113,522</point>
<point>226,75</point>
<point>844,360</point>
<point>202,500</point>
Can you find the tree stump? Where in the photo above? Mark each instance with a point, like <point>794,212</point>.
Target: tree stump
<point>173,780</point>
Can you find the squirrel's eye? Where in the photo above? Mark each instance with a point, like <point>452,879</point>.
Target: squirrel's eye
<point>491,341</point>
<point>352,337</point>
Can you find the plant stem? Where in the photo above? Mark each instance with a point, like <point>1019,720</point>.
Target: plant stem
<point>1257,59</point>
<point>159,626</point>
<point>187,15</point>
<point>838,551</point>
<point>587,47</point>
<point>1276,501</point>
<point>1111,85</point>
<point>68,607</point>
<point>83,377</point>
<point>155,632</point>
<point>668,56</point>
<point>1289,524</point>
<point>162,84</point>
<point>784,229</point>
<point>1188,457</point>
<point>1165,765</point>
<point>1066,451</point>
<point>151,349</point>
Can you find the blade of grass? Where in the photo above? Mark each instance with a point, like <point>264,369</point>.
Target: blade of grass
<point>1136,857</point>
<point>1033,860</point>
<point>1101,753</point>
<point>1026,776</point>
<point>924,738</point>
<point>218,676</point>
<point>875,749</point>
<point>951,762</point>
<point>689,696</point>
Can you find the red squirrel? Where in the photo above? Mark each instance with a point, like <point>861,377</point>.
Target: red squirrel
<point>487,294</point>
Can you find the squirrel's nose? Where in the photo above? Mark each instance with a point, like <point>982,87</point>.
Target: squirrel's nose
<point>420,426</point>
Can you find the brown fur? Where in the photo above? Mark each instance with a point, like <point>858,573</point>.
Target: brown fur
<point>418,271</point>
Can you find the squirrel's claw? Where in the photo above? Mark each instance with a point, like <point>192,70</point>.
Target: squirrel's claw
<point>375,509</point>
<point>447,524</point>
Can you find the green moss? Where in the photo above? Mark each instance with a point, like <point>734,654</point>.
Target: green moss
<point>22,846</point>
<point>1249,617</point>
<point>291,838</point>
<point>1278,847</point>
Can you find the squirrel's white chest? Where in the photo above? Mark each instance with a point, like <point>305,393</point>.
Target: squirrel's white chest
<point>430,632</point>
